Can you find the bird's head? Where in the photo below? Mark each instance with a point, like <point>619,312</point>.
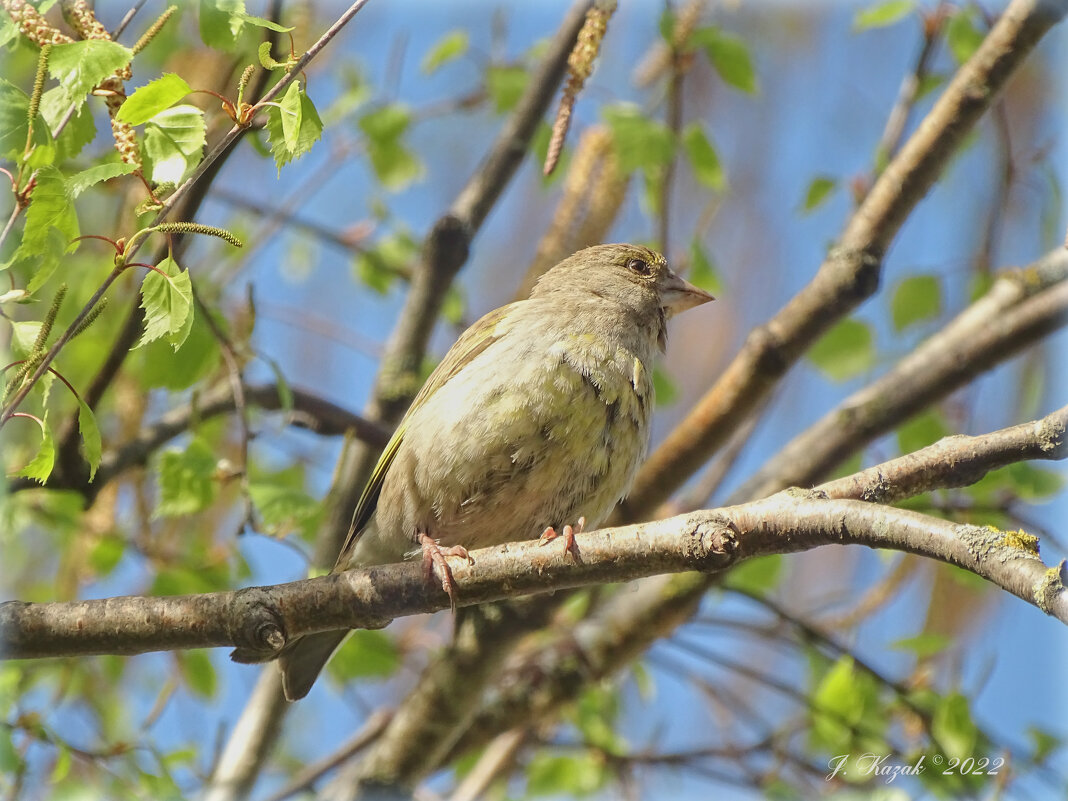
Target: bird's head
<point>631,276</point>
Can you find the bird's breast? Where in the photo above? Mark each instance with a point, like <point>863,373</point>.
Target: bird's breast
<point>521,443</point>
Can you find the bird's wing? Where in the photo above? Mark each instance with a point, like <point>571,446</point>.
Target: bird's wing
<point>471,343</point>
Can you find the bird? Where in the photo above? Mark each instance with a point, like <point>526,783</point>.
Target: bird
<point>537,419</point>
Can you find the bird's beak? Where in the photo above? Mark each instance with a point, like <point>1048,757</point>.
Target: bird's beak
<point>678,295</point>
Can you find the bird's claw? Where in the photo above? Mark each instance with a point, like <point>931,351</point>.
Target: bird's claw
<point>436,556</point>
<point>569,532</point>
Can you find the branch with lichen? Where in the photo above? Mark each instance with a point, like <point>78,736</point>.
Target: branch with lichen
<point>263,619</point>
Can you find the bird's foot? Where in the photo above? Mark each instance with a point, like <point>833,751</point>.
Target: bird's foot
<point>436,556</point>
<point>569,532</point>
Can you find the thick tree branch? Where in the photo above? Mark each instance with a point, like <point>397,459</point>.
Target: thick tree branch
<point>263,619</point>
<point>957,461</point>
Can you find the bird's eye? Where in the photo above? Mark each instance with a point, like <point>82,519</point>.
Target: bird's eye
<point>639,267</point>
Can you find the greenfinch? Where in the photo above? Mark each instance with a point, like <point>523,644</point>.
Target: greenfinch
<point>537,418</point>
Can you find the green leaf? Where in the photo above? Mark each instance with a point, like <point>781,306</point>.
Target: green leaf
<point>923,645</point>
<point>667,392</point>
<point>40,467</point>
<point>86,179</point>
<point>293,126</point>
<point>285,393</point>
<point>703,157</point>
<point>756,576</point>
<point>267,61</point>
<point>846,714</point>
<point>186,480</point>
<point>221,22</point>
<point>79,131</point>
<point>505,86</point>
<point>291,116</point>
<point>379,267</point>
<point>62,766</point>
<point>952,726</point>
<point>596,716</point>
<point>929,82</point>
<point>882,15</point>
<point>845,351</point>
<point>916,298</point>
<point>80,66</point>
<point>168,303</point>
<point>730,57</point>
<point>386,124</point>
<point>160,365</point>
<point>962,35</point>
<point>454,305</point>
<point>261,22</point>
<point>1043,743</point>
<point>24,335</point>
<point>11,761</point>
<point>14,108</point>
<point>819,189</point>
<point>189,581</point>
<point>367,653</point>
<point>448,48</point>
<point>198,672</point>
<point>91,445</point>
<point>578,773</point>
<point>640,142</point>
<point>703,272</point>
<point>666,24</point>
<point>174,143</point>
<point>393,163</point>
<point>51,225</point>
<point>152,98</point>
<point>283,508</point>
<point>106,554</point>
<point>1032,483</point>
<point>9,33</point>
<point>921,430</point>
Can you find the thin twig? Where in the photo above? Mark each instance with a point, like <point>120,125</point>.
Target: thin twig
<point>127,19</point>
<point>674,124</point>
<point>310,774</point>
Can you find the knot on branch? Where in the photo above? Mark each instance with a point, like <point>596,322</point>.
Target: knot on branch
<point>447,246</point>
<point>713,544</point>
<point>259,631</point>
<point>767,351</point>
<point>859,267</point>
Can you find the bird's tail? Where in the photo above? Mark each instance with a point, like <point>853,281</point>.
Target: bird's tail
<point>302,660</point>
